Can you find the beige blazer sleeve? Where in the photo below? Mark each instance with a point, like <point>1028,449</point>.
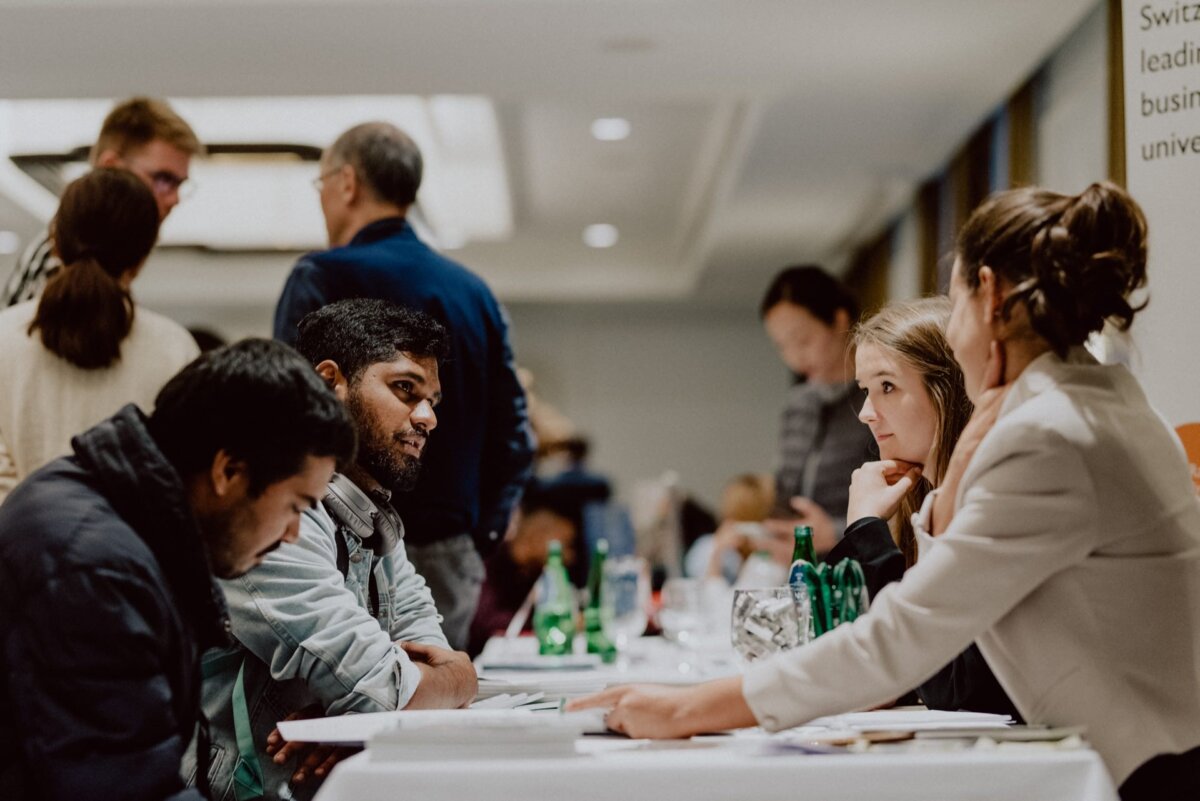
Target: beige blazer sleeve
<point>1023,515</point>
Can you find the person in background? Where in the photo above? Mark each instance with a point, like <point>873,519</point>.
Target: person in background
<point>338,621</point>
<point>1066,528</point>
<point>808,315</point>
<point>143,135</point>
<point>85,349</point>
<point>916,408</point>
<point>479,459</point>
<point>106,594</point>
<point>747,498</point>
<point>513,569</point>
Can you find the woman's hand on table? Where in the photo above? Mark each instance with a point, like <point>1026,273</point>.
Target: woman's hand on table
<point>987,409</point>
<point>661,712</point>
<point>877,488</point>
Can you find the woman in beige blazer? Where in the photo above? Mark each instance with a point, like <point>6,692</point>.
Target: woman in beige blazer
<point>1067,527</point>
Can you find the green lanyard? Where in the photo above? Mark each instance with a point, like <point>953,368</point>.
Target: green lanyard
<point>247,773</point>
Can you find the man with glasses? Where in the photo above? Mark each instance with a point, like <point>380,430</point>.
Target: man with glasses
<point>142,135</point>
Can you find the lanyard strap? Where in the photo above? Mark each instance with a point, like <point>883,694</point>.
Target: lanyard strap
<point>247,772</point>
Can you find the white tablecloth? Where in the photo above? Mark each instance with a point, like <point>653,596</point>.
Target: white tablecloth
<point>728,769</point>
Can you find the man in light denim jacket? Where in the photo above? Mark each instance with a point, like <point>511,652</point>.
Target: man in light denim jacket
<point>339,621</point>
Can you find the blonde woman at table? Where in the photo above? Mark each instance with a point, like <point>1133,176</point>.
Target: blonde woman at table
<point>84,349</point>
<point>916,407</point>
<point>1069,545</point>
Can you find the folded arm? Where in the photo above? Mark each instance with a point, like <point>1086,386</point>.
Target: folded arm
<point>295,612</point>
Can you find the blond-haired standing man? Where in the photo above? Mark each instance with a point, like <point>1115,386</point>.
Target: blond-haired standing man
<point>143,135</point>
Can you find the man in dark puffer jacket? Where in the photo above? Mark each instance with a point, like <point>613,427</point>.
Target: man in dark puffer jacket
<point>106,563</point>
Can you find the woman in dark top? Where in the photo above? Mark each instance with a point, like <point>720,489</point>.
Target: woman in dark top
<point>916,407</point>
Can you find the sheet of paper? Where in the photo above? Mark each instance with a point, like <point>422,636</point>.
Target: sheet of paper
<point>913,720</point>
<point>357,729</point>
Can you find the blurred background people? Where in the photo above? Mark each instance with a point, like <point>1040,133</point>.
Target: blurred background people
<point>808,315</point>
<point>747,498</point>
<point>513,569</point>
<point>143,135</point>
<point>479,459</point>
<point>84,349</point>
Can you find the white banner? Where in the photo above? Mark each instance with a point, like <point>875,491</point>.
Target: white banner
<point>1161,43</point>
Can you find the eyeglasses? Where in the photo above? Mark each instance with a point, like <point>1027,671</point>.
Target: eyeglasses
<point>164,182</point>
<point>319,182</point>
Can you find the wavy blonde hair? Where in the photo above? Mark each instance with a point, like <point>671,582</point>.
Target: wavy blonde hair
<point>915,331</point>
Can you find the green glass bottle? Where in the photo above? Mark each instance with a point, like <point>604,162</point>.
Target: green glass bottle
<point>594,614</point>
<point>803,546</point>
<point>554,615</point>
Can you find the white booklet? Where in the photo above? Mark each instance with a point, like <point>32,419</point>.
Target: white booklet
<point>444,727</point>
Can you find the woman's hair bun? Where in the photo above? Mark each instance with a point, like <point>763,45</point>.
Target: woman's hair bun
<point>1073,261</point>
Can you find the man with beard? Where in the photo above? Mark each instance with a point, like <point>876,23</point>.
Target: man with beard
<point>339,621</point>
<point>106,595</point>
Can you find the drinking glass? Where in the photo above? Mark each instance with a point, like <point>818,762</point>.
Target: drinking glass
<point>626,597</point>
<point>681,615</point>
<point>766,620</point>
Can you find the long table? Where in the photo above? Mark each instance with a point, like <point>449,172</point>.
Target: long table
<point>748,766</point>
<point>725,769</point>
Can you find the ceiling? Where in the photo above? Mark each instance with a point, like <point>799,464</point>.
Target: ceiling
<point>762,131</point>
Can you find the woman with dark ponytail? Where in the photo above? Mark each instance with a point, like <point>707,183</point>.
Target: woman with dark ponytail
<point>1066,530</point>
<point>84,349</point>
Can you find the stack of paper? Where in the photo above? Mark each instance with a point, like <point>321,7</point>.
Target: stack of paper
<point>552,687</point>
<point>450,733</point>
<point>912,720</point>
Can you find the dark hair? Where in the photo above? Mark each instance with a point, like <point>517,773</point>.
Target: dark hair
<point>384,157</point>
<point>361,332</point>
<point>138,121</point>
<point>811,287</point>
<point>106,224</point>
<point>259,402</point>
<point>1072,261</point>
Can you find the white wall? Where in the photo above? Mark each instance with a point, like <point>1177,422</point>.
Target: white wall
<point>1071,109</point>
<point>659,386</point>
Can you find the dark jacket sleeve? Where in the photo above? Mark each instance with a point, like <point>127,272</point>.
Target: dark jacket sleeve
<point>305,291</point>
<point>91,695</point>
<point>508,444</point>
<point>967,682</point>
<point>869,542</point>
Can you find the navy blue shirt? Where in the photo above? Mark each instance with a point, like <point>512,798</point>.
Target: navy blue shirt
<point>479,457</point>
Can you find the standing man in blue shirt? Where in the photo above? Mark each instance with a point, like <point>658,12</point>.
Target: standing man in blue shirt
<point>479,458</point>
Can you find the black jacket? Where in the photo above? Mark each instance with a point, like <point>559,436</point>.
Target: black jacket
<point>106,603</point>
<point>967,682</point>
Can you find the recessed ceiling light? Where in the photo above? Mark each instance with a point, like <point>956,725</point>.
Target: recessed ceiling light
<point>9,242</point>
<point>600,235</point>
<point>610,129</point>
